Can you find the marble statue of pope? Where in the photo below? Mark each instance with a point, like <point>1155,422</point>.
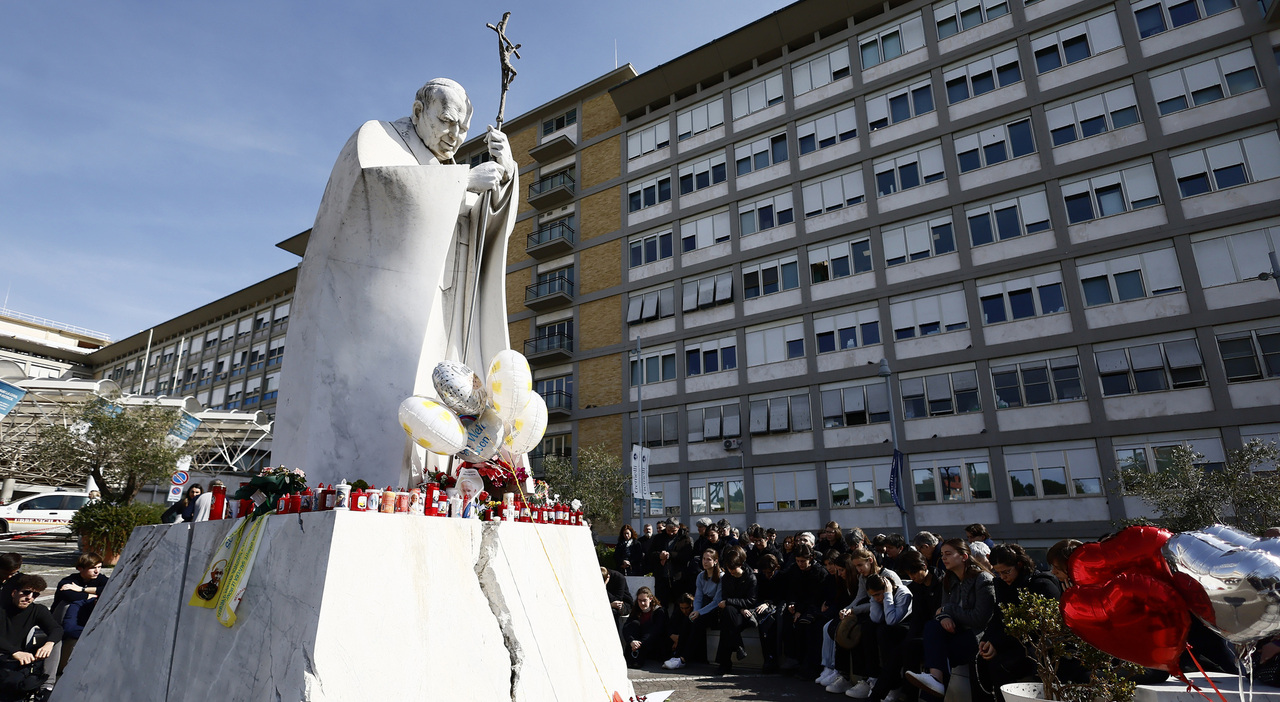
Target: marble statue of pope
<point>384,290</point>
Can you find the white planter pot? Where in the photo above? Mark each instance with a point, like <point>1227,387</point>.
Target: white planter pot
<point>1023,692</point>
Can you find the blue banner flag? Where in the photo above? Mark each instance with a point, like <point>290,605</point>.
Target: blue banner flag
<point>10,396</point>
<point>895,481</point>
<point>185,427</point>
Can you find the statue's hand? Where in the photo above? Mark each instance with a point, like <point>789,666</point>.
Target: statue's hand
<point>500,150</point>
<point>487,176</point>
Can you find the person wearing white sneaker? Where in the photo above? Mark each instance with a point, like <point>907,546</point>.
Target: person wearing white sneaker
<point>840,685</point>
<point>827,677</point>
<point>673,663</point>
<point>967,608</point>
<point>862,690</point>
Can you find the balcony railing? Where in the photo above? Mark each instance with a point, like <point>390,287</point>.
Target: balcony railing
<point>554,343</point>
<point>558,401</point>
<point>552,191</point>
<point>548,293</point>
<point>551,240</point>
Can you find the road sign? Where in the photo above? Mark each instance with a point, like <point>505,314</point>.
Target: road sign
<point>180,478</point>
<point>175,493</point>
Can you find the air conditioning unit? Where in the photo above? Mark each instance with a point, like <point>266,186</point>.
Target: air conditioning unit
<point>732,444</point>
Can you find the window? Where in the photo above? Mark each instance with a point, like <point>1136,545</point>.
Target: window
<point>1111,193</point>
<point>648,248</point>
<point>477,159</point>
<point>1053,473</point>
<point>954,480</point>
<point>978,77</point>
<point>1036,382</point>
<point>648,139</point>
<point>1205,82</point>
<point>649,192</point>
<point>710,356</point>
<point>941,394</point>
<point>699,118</point>
<point>840,260</point>
<point>556,392</point>
<point>1234,258</point>
<point>1156,454</point>
<point>899,104</point>
<point>786,491</point>
<point>832,192</point>
<point>1094,115</point>
<point>817,72</point>
<point>549,337</point>
<point>826,130</point>
<point>703,232</point>
<point>917,240</point>
<point>1226,165</point>
<point>273,387</point>
<point>855,405</point>
<point>995,145</point>
<point>1008,218</point>
<point>257,356</point>
<point>770,277</point>
<point>761,94</point>
<point>243,328</point>
<point>228,332</point>
<point>847,330</point>
<point>768,212</point>
<point>281,314</point>
<point>1251,355</point>
<point>275,352</point>
<point>760,154</point>
<point>653,367</point>
<point>909,170</point>
<point>713,422</point>
<point>1157,16</point>
<point>1076,43</point>
<point>774,344</point>
<point>702,174</point>
<point>1022,298</point>
<point>928,314</point>
<point>891,42</point>
<point>651,305</point>
<point>955,17</point>
<point>716,495</point>
<point>1130,277</point>
<point>780,415</point>
<point>859,486</point>
<point>261,321</point>
<point>660,428</point>
<point>708,291</point>
<point>1150,367</point>
<point>555,124</point>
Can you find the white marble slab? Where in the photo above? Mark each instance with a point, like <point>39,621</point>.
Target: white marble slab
<point>1229,685</point>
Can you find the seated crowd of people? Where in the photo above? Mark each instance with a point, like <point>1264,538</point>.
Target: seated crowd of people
<point>873,618</point>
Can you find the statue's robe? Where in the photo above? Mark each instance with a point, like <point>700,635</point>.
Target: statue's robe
<point>383,295</point>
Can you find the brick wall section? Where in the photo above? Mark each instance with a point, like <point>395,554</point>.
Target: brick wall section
<point>518,332</point>
<point>519,241</point>
<point>599,115</point>
<point>599,267</point>
<point>601,431</point>
<point>599,324</point>
<point>601,213</point>
<point>516,283</point>
<point>601,162</point>
<point>599,382</point>
<point>521,142</point>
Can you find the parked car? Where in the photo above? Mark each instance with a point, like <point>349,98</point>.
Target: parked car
<point>48,512</point>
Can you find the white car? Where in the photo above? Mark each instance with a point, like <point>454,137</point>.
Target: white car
<point>48,512</point>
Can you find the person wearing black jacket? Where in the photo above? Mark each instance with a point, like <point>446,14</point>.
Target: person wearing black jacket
<point>670,558</point>
<point>737,609</point>
<point>644,636</point>
<point>628,555</point>
<point>758,547</point>
<point>1001,657</point>
<point>615,586</point>
<point>20,615</point>
<point>926,597</point>
<point>801,626</point>
<point>770,597</point>
<point>951,638</point>
<point>643,542</point>
<point>88,581</point>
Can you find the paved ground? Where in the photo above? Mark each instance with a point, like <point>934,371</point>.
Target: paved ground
<point>699,684</point>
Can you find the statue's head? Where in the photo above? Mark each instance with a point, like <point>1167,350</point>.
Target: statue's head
<point>441,116</point>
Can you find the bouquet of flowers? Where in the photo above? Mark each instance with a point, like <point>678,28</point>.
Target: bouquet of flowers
<point>273,483</point>
<point>441,478</point>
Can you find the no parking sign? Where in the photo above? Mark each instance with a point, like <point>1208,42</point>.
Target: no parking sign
<point>180,478</point>
<point>175,493</point>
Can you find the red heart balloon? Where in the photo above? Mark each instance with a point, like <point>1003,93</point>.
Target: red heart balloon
<point>1134,549</point>
<point>1194,595</point>
<point>1134,616</point>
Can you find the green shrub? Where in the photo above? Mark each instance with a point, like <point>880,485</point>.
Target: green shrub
<point>105,526</point>
<point>604,554</point>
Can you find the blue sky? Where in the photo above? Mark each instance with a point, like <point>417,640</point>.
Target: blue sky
<point>152,154</point>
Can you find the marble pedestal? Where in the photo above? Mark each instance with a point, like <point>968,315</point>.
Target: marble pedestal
<point>1231,687</point>
<point>350,606</point>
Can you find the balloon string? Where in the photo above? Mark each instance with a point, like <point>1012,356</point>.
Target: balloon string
<point>1206,677</point>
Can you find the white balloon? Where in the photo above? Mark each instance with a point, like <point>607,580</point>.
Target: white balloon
<point>510,384</point>
<point>525,431</point>
<point>460,388</point>
<point>484,438</point>
<point>432,426</point>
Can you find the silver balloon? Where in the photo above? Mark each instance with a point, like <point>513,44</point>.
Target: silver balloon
<point>1239,538</point>
<point>460,388</point>
<point>1239,576</point>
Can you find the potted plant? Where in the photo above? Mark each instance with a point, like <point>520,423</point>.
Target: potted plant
<point>1036,621</point>
<point>104,527</point>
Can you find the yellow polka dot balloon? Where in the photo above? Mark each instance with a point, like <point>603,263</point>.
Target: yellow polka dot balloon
<point>510,384</point>
<point>526,430</point>
<point>432,426</point>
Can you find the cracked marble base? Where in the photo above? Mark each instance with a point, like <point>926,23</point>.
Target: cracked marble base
<point>346,606</point>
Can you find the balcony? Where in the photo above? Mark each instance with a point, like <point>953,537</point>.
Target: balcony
<point>552,240</point>
<point>552,149</point>
<point>546,349</point>
<point>553,292</point>
<point>537,459</point>
<point>559,403</point>
<point>552,191</point>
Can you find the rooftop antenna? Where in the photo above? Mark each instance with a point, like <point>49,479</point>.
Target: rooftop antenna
<point>615,54</point>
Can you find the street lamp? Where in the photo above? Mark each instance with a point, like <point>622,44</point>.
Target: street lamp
<point>886,373</point>
<point>1274,273</point>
